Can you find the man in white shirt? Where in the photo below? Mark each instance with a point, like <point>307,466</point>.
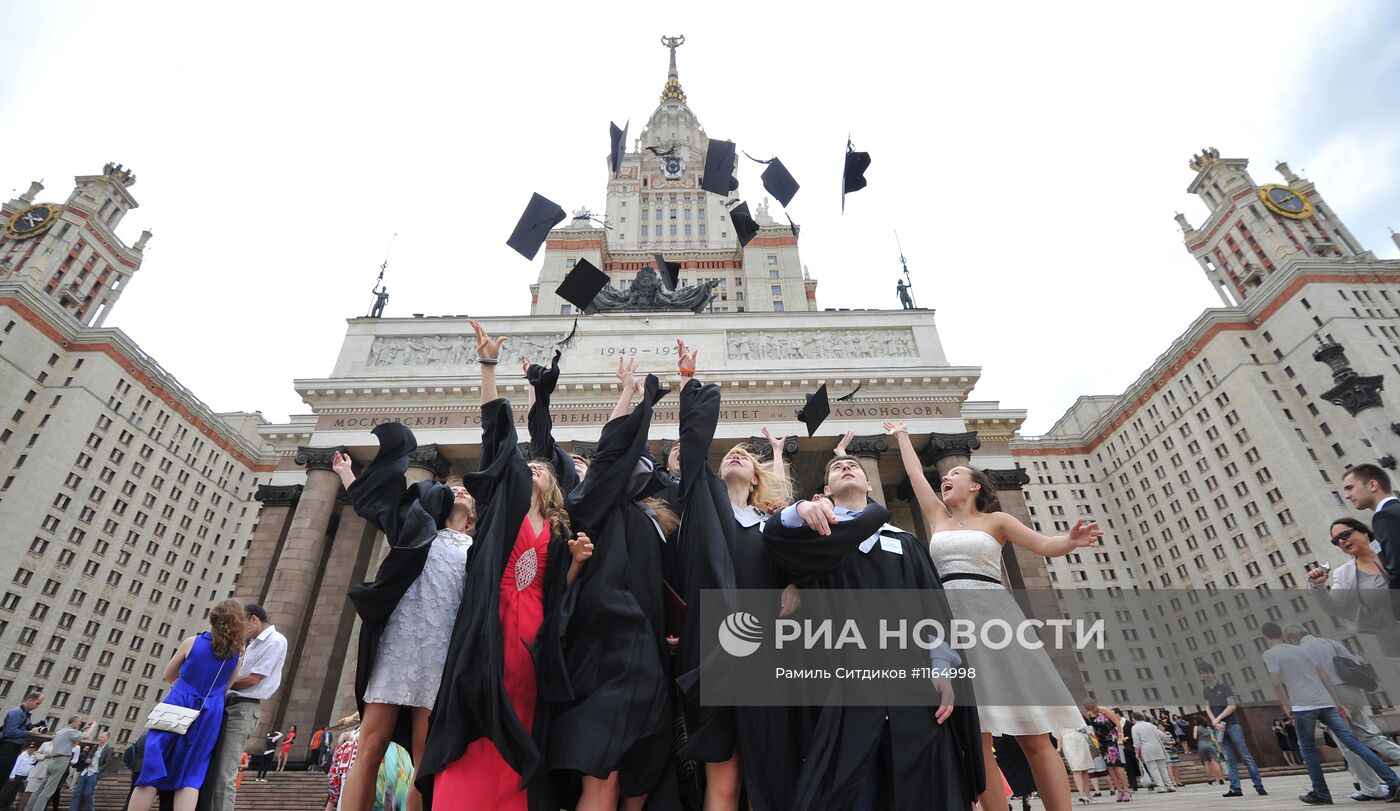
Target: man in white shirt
<point>259,676</point>
<point>1307,696</point>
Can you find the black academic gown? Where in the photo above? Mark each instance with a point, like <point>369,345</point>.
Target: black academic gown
<point>472,702</point>
<point>610,700</point>
<point>409,516</point>
<point>929,765</point>
<point>541,426</point>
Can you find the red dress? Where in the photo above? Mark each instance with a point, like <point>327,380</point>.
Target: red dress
<point>480,778</point>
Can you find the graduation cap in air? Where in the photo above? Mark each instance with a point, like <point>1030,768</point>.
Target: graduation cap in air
<point>744,226</point>
<point>618,140</point>
<point>853,178</point>
<point>670,271</point>
<point>720,163</point>
<point>540,216</point>
<point>818,408</point>
<point>582,284</point>
<point>778,180</point>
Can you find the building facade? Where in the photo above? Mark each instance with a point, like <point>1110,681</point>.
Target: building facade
<point>1219,470</point>
<point>125,503</point>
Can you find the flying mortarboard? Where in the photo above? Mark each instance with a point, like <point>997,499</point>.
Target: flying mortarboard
<point>582,284</point>
<point>818,408</point>
<point>853,177</point>
<point>778,180</point>
<point>540,216</point>
<point>670,271</point>
<point>744,226</point>
<point>618,141</point>
<point>720,163</point>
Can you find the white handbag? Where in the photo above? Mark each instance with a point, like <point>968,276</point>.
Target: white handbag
<point>176,719</point>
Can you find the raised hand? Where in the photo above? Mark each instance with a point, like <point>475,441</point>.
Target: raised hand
<point>581,548</point>
<point>1085,533</point>
<point>896,428</point>
<point>685,363</point>
<point>525,364</point>
<point>626,374</point>
<point>487,347</point>
<point>817,515</point>
<point>775,441</point>
<point>1317,576</point>
<point>340,463</point>
<point>840,449</point>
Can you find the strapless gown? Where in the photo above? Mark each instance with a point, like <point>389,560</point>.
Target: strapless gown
<point>1001,674</point>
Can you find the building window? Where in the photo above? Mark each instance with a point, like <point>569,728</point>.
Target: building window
<point>772,259</point>
<point>777,289</point>
<point>565,309</point>
<point>777,306</point>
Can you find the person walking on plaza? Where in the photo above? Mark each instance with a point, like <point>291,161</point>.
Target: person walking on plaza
<point>1151,754</point>
<point>1325,653</point>
<point>56,768</point>
<point>1222,707</point>
<point>1367,487</point>
<point>259,677</point>
<point>14,736</point>
<point>19,775</point>
<point>1106,723</point>
<point>1306,694</point>
<point>199,674</point>
<point>85,789</point>
<point>1359,593</point>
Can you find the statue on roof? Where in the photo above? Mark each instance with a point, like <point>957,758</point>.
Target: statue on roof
<point>646,294</point>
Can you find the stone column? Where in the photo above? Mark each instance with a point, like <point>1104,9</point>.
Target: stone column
<point>299,568</point>
<point>946,451</point>
<point>868,450</point>
<point>1360,395</point>
<point>1028,576</point>
<point>426,463</point>
<point>266,543</point>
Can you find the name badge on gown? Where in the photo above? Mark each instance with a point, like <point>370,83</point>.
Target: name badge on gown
<point>887,544</point>
<point>526,567</point>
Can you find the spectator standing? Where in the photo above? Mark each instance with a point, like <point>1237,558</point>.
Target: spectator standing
<point>1131,764</point>
<point>1284,745</point>
<point>287,741</point>
<point>1181,731</point>
<point>1306,694</point>
<point>1207,749</point>
<point>1325,652</point>
<point>341,762</point>
<point>1075,745</point>
<point>259,677</point>
<point>14,735</point>
<point>269,755</point>
<point>1173,753</point>
<point>1360,590</point>
<point>313,762</point>
<point>1367,487</point>
<point>1222,706</point>
<point>1105,723</point>
<point>132,758</point>
<point>56,767</point>
<point>95,763</point>
<point>1151,754</point>
<point>19,775</point>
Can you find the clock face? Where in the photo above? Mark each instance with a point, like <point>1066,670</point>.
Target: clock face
<point>32,221</point>
<point>1285,201</point>
<point>673,167</point>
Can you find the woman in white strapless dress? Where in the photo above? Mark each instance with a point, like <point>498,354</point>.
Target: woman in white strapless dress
<point>968,534</point>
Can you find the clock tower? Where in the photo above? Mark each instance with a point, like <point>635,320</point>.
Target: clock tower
<point>70,250</point>
<point>655,205</point>
<point>1253,230</point>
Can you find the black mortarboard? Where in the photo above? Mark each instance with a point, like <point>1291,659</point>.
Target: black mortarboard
<point>670,271</point>
<point>582,284</point>
<point>853,178</point>
<point>744,226</point>
<point>618,140</point>
<point>540,216</point>
<point>779,182</point>
<point>818,408</point>
<point>720,163</point>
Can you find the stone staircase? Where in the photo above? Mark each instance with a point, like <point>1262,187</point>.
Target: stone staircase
<point>283,791</point>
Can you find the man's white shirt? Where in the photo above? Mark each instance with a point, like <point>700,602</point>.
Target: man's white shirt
<point>264,656</point>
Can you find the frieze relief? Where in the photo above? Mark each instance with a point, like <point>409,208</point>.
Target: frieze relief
<point>820,344</point>
<point>454,350</point>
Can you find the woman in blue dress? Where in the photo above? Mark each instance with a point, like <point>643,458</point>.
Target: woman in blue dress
<point>199,674</point>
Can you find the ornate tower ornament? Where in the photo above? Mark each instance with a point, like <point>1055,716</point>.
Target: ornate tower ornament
<point>1353,392</point>
<point>672,90</point>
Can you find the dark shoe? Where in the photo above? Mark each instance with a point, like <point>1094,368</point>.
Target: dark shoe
<point>1362,797</point>
<point>1394,796</point>
<point>1262,793</point>
<point>1311,798</point>
<point>1234,792</point>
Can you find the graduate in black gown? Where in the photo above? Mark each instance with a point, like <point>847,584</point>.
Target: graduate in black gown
<point>568,468</point>
<point>610,702</point>
<point>863,757</point>
<point>477,730</point>
<point>720,547</point>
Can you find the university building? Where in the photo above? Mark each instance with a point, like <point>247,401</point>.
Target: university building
<point>1219,470</point>
<point>126,504</point>
<point>763,338</point>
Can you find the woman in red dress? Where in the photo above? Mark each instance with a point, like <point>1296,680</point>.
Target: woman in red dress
<point>480,754</point>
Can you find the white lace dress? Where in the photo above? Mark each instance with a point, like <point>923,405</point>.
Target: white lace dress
<point>413,648</point>
<point>1002,675</point>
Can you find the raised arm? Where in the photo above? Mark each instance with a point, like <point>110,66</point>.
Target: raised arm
<point>924,493</point>
<point>779,463</point>
<point>626,387</point>
<point>488,354</point>
<point>1083,533</point>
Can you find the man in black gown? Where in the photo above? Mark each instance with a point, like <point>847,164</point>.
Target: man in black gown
<point>864,757</point>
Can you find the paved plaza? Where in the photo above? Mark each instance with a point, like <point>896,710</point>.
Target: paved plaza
<point>1283,793</point>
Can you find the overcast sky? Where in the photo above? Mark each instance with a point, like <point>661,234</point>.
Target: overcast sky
<point>1031,156</point>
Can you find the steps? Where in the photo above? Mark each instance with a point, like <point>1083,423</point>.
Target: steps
<point>283,791</point>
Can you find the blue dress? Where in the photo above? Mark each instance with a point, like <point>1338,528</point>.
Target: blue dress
<point>180,761</point>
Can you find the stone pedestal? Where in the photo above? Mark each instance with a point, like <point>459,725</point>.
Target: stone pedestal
<point>947,451</point>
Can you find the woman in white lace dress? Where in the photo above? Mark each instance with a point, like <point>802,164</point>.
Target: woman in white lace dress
<point>969,531</point>
<point>412,647</point>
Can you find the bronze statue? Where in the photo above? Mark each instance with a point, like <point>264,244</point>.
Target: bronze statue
<point>646,293</point>
<point>905,300</point>
<point>381,297</point>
